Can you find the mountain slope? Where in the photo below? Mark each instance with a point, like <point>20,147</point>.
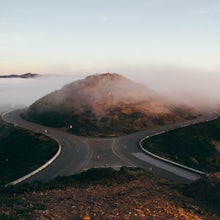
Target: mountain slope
<point>105,104</point>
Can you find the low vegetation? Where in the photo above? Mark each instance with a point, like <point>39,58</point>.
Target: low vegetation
<point>115,122</point>
<point>196,146</point>
<point>22,152</point>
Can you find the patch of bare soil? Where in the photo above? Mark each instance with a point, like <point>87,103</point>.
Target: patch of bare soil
<point>141,197</point>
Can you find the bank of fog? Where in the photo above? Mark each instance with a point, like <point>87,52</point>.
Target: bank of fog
<point>197,89</point>
<point>194,88</point>
<point>19,93</point>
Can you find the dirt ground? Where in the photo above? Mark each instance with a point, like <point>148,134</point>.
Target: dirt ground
<point>139,197</point>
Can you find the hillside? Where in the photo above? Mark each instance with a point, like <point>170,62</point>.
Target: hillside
<point>206,191</point>
<point>130,193</point>
<point>22,152</point>
<point>105,104</point>
<point>197,146</point>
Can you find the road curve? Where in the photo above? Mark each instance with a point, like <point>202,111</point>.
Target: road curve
<point>74,154</point>
<point>81,153</point>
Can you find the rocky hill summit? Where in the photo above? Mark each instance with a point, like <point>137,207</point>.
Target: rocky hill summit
<point>105,104</point>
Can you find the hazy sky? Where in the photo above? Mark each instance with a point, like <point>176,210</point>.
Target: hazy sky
<point>74,36</point>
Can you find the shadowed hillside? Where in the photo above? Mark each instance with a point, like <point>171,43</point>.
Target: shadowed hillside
<point>196,146</point>
<point>106,104</point>
<point>206,191</point>
<point>22,152</point>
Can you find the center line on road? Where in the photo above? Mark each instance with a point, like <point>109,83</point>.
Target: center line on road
<point>120,156</point>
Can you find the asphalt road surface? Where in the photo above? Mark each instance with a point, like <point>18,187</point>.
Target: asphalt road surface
<point>81,153</point>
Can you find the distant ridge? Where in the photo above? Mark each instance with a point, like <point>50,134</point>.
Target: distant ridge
<point>106,104</point>
<point>23,76</point>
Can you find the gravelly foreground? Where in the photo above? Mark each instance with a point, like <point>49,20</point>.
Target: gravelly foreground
<point>123,197</point>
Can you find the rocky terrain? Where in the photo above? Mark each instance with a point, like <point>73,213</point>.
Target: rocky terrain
<point>206,190</point>
<point>102,194</point>
<point>106,104</point>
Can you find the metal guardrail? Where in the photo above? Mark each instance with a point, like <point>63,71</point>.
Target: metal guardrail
<point>169,161</point>
<point>164,159</point>
<point>37,170</point>
<point>21,179</point>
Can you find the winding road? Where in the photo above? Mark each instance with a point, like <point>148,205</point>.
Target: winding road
<point>81,153</point>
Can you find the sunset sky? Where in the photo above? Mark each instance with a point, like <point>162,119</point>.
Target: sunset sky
<point>78,36</point>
